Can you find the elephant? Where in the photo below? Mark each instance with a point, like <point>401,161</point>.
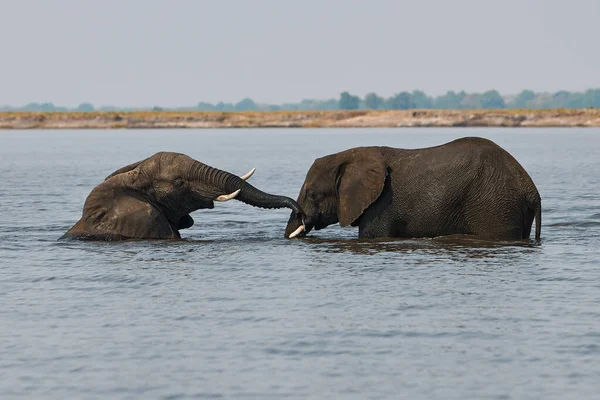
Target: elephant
<point>152,198</point>
<point>469,186</point>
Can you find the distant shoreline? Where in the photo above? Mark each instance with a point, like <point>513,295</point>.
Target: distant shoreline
<point>301,119</point>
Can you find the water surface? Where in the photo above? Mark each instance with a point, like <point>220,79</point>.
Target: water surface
<point>237,311</point>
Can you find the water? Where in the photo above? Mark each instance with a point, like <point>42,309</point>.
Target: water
<point>237,311</point>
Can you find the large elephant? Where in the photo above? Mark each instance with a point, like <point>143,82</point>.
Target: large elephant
<point>152,198</point>
<point>468,186</point>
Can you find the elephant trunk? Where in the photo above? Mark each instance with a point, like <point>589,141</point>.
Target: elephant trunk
<point>255,197</point>
<point>229,183</point>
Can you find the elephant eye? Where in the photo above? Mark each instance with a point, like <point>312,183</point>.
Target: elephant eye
<point>178,182</point>
<point>311,194</point>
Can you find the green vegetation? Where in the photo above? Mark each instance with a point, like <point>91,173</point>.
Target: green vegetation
<point>416,99</point>
<point>349,102</point>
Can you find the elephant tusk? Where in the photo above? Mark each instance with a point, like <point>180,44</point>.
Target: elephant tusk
<point>248,175</point>
<point>226,197</point>
<point>296,232</point>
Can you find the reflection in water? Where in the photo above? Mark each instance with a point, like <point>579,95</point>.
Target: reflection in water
<point>456,243</point>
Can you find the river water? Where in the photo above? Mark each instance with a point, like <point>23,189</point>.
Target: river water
<point>237,311</point>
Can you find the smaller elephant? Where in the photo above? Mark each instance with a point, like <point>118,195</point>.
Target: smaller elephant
<point>469,186</point>
<point>152,198</point>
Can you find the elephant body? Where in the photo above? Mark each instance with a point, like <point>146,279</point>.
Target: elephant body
<point>152,199</point>
<point>469,186</point>
<point>114,214</point>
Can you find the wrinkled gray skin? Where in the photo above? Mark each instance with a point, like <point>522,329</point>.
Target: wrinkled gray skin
<point>152,199</point>
<point>468,186</point>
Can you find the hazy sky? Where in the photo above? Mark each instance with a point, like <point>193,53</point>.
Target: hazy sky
<point>179,52</point>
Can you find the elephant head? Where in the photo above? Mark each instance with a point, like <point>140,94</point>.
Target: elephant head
<point>339,188</point>
<point>133,200</point>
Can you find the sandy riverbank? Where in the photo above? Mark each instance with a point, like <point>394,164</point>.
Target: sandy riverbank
<point>301,119</point>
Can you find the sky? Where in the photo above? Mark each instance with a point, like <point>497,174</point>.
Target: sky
<point>172,53</point>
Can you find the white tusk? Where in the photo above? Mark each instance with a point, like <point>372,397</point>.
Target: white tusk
<point>226,197</point>
<point>296,232</point>
<point>248,175</point>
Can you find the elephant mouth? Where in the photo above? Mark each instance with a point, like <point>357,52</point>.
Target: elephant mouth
<point>303,227</point>
<point>206,204</point>
<point>193,203</point>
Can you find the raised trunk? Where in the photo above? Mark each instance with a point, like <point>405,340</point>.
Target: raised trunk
<point>258,198</point>
<point>229,183</point>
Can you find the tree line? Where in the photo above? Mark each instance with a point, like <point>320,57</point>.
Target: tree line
<point>405,100</point>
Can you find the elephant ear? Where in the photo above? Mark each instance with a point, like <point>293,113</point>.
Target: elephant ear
<point>360,184</point>
<point>126,168</point>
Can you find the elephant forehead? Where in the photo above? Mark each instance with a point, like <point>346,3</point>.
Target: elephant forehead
<point>325,161</point>
<point>317,181</point>
<point>174,158</point>
<point>169,161</point>
<point>323,168</point>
